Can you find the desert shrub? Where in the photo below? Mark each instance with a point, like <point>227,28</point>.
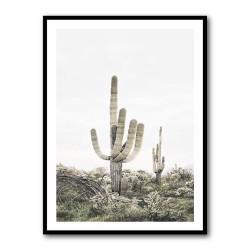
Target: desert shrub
<point>143,176</point>
<point>76,188</point>
<point>177,179</point>
<point>117,209</point>
<point>98,203</point>
<point>135,183</point>
<point>166,209</point>
<point>63,170</point>
<point>126,172</point>
<point>98,172</point>
<point>153,204</point>
<point>174,184</point>
<point>147,189</point>
<point>141,199</point>
<point>186,175</point>
<point>133,213</point>
<point>64,214</point>
<point>184,190</point>
<point>180,175</point>
<point>100,175</point>
<point>190,184</point>
<point>73,211</point>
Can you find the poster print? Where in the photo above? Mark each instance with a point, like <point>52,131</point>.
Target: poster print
<point>125,124</point>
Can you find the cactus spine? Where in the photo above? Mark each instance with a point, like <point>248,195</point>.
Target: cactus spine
<point>120,153</point>
<point>158,161</point>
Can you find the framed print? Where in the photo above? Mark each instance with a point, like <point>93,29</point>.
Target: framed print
<point>125,124</point>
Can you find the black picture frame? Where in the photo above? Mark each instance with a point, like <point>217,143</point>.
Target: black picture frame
<point>45,119</point>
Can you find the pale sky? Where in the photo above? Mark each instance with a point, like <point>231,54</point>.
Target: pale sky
<point>155,71</point>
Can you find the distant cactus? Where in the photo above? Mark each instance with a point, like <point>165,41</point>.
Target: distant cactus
<point>175,167</point>
<point>119,152</point>
<point>158,162</point>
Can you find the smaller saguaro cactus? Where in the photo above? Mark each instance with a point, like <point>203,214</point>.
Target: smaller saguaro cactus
<point>158,161</point>
<point>124,184</point>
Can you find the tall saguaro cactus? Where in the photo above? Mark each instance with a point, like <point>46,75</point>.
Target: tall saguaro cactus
<point>158,162</point>
<point>120,153</point>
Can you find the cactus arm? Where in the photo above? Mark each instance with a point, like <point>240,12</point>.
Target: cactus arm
<point>96,147</point>
<point>157,153</point>
<point>163,166</point>
<point>163,163</point>
<point>160,141</point>
<point>160,167</point>
<point>154,164</point>
<point>138,143</point>
<point>113,102</point>
<point>129,143</point>
<point>112,136</point>
<point>123,146</point>
<point>163,159</point>
<point>119,133</point>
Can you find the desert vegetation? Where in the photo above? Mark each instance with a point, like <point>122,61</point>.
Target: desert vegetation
<point>87,196</point>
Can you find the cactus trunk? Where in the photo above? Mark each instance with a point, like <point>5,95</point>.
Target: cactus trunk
<point>158,178</point>
<point>120,152</point>
<point>158,161</point>
<point>116,176</point>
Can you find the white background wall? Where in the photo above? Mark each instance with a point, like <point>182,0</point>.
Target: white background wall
<point>21,123</point>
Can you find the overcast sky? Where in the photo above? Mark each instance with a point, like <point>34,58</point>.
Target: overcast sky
<point>155,71</point>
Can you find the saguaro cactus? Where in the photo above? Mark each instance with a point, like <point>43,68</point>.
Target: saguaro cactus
<point>120,153</point>
<point>158,162</point>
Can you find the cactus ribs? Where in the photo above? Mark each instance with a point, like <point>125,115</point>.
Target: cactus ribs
<point>120,153</point>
